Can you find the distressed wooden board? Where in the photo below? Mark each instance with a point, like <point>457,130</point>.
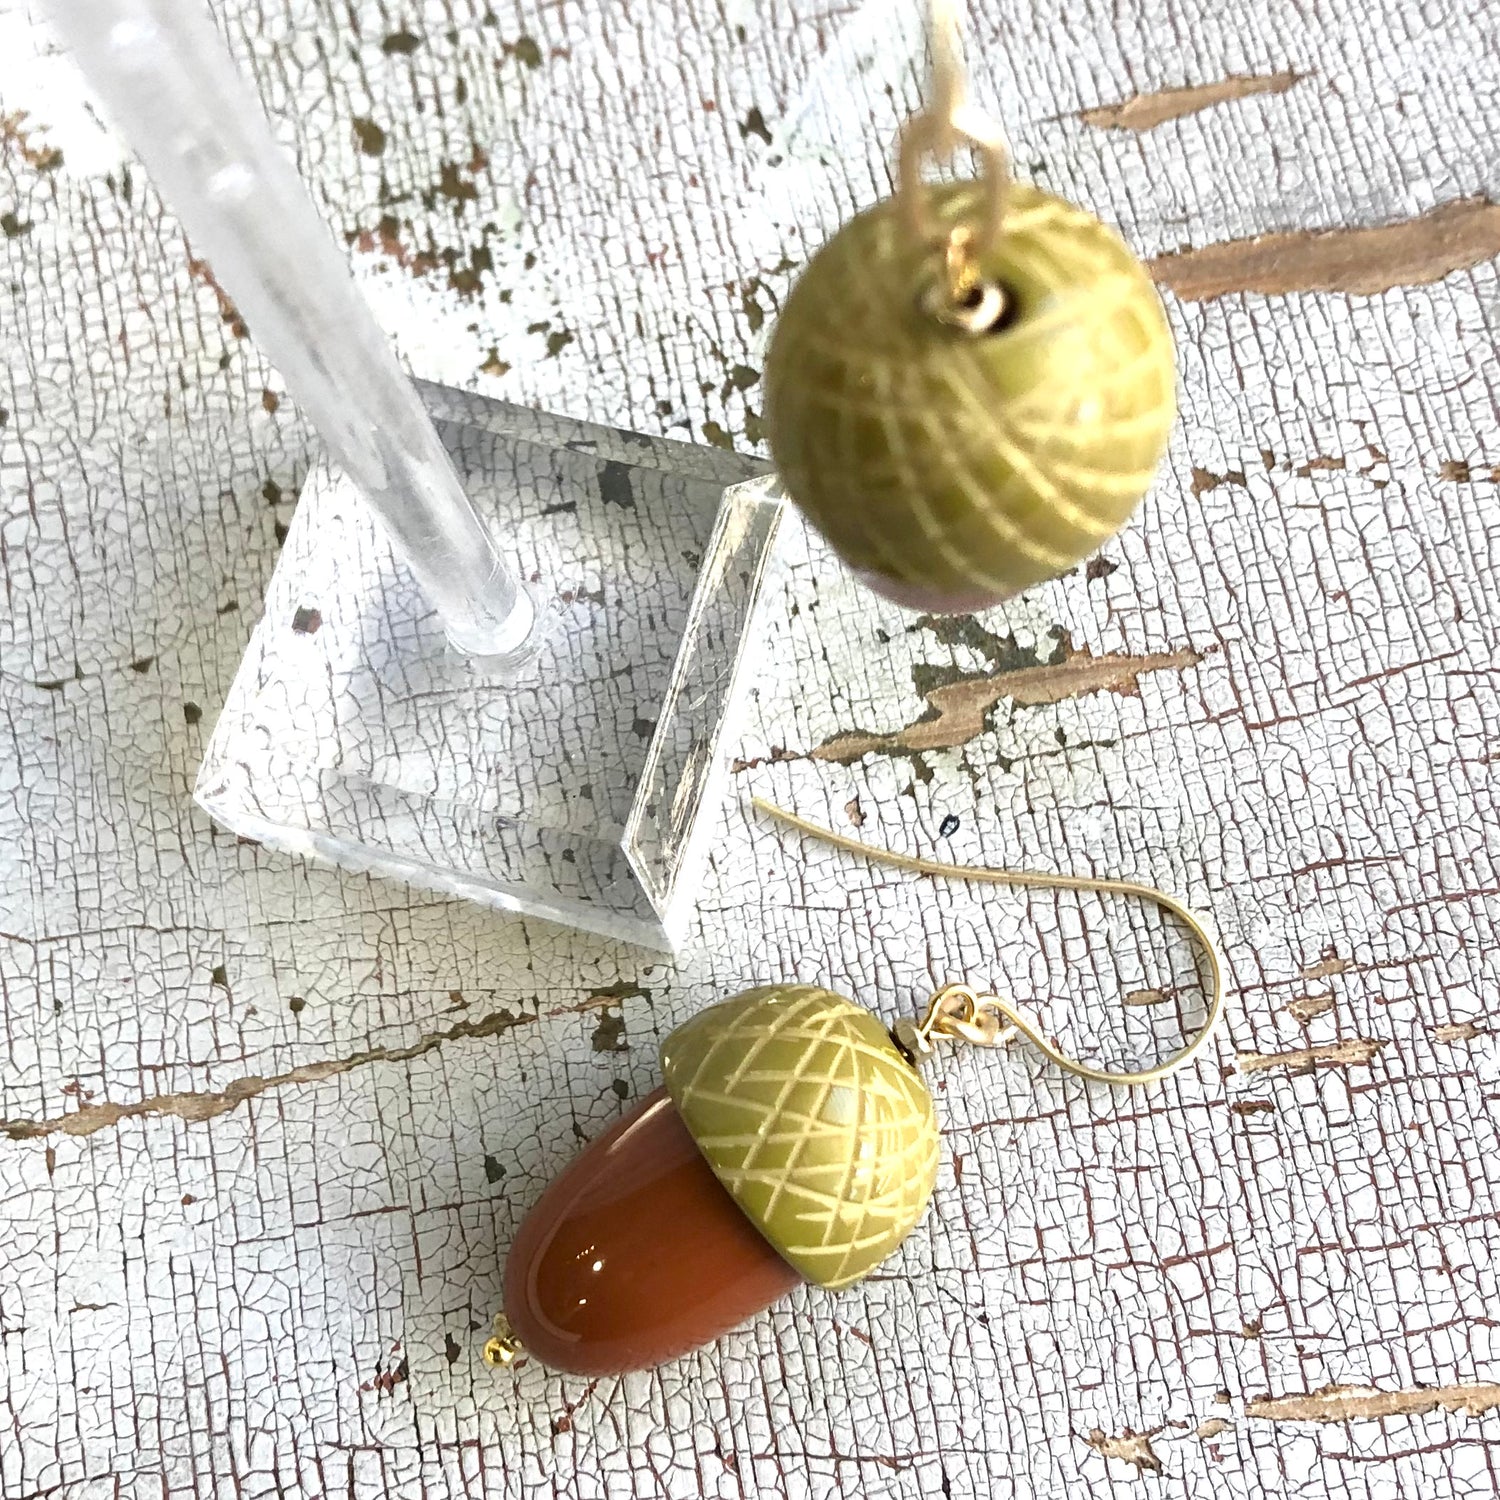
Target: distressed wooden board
<point>268,1130</point>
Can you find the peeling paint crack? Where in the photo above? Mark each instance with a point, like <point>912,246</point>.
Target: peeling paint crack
<point>1364,261</point>
<point>197,1106</point>
<point>959,705</point>
<point>1129,1447</point>
<point>1352,1403</point>
<point>1356,1052</point>
<point>1146,111</point>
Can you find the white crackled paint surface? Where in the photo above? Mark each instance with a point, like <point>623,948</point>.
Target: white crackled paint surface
<point>220,1283</point>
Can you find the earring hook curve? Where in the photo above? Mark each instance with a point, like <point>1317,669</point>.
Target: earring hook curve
<point>960,1013</point>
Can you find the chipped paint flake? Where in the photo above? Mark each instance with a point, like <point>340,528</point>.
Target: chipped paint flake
<point>1305,1007</point>
<point>196,1107</point>
<point>1365,261</point>
<point>1357,1052</point>
<point>1356,1403</point>
<point>1326,968</point>
<point>26,141</point>
<point>1133,1448</point>
<point>1457,1031</point>
<point>1146,111</point>
<point>958,710</point>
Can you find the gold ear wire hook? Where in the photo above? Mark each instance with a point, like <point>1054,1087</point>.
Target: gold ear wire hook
<point>950,121</point>
<point>960,1013</point>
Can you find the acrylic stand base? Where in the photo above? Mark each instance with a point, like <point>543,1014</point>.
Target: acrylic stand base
<point>577,785</point>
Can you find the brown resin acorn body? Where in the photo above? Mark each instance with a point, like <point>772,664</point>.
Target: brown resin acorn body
<point>792,1141</point>
<point>635,1255</point>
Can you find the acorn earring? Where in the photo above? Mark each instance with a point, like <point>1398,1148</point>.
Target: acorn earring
<point>793,1140</point>
<point>971,385</point>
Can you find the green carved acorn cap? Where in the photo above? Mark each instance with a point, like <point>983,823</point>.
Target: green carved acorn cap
<point>819,1128</point>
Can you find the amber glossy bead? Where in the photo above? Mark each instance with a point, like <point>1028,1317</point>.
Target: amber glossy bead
<point>636,1254</point>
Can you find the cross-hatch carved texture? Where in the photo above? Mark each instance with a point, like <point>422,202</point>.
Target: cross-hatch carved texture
<point>812,1119</point>
<point>955,462</point>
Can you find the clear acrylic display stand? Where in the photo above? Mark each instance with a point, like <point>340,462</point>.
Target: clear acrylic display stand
<point>500,649</point>
<point>575,786</point>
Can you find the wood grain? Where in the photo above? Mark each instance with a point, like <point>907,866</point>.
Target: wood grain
<point>1355,1052</point>
<point>958,710</point>
<point>1452,237</point>
<point>1147,111</point>
<point>1338,1403</point>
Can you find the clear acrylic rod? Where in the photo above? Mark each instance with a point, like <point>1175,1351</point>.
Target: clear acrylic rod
<point>168,83</point>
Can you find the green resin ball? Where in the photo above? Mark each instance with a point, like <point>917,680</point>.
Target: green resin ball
<point>952,470</point>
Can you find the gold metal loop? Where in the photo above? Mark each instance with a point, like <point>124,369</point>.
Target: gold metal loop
<point>961,1013</point>
<point>962,298</point>
<point>948,123</point>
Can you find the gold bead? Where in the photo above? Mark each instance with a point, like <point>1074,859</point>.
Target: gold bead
<point>952,468</point>
<point>503,1348</point>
